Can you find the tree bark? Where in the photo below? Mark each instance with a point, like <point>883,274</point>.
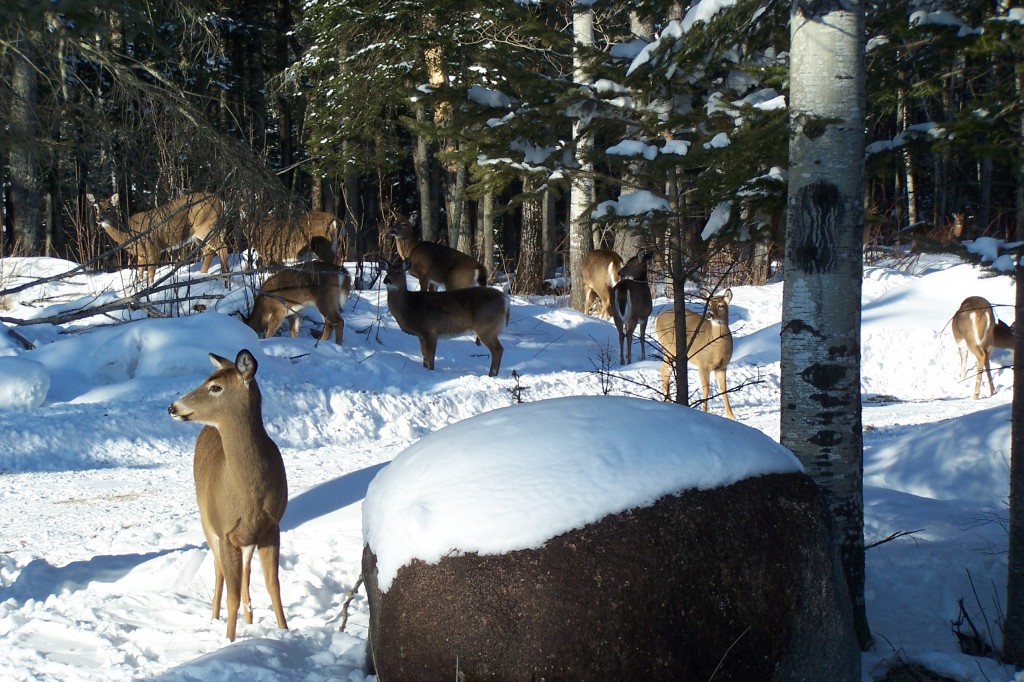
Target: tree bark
<point>421,164</point>
<point>820,382</point>
<point>23,160</point>
<point>581,195</point>
<point>528,267</point>
<point>1013,625</point>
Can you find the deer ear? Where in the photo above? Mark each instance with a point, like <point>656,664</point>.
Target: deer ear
<point>246,364</point>
<point>413,218</point>
<point>705,294</point>
<point>219,362</point>
<point>113,198</point>
<point>406,264</point>
<point>90,198</point>
<point>727,295</point>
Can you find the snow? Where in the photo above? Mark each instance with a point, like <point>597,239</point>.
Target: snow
<point>451,493</point>
<point>632,204</point>
<point>104,572</point>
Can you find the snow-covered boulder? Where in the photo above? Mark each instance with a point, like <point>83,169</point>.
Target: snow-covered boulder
<point>540,542</point>
<point>24,383</point>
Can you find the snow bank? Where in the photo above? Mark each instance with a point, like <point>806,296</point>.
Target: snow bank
<point>515,477</point>
<point>23,383</point>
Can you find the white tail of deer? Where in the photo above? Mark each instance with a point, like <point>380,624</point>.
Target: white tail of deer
<point>147,234</point>
<point>632,305</point>
<point>240,480</point>
<point>288,292</point>
<point>279,240</point>
<point>975,329</point>
<point>600,275</point>
<point>708,345</point>
<point>429,315</point>
<point>436,265</point>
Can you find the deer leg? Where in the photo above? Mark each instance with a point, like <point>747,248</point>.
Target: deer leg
<point>497,350</point>
<point>218,578</point>
<point>622,338</point>
<point>428,348</point>
<point>643,341</point>
<point>666,375</point>
<point>988,372</point>
<point>269,557</point>
<point>339,329</point>
<point>246,567</point>
<point>294,323</point>
<point>231,562</point>
<point>962,349</point>
<point>207,262</point>
<point>705,387</point>
<point>720,376</point>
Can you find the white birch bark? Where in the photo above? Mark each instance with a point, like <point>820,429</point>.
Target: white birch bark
<point>581,194</point>
<point>820,384</point>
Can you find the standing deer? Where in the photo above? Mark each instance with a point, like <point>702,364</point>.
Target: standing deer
<point>632,305</point>
<point>436,265</point>
<point>432,314</point>
<point>241,486</point>
<point>287,292</point>
<point>709,345</point>
<point>147,234</point>
<point>600,275</point>
<point>278,240</point>
<point>975,329</point>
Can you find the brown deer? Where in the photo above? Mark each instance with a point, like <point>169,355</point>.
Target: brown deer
<point>709,345</point>
<point>632,305</point>
<point>241,486</point>
<point>432,314</point>
<point>278,240</point>
<point>147,234</point>
<point>433,264</point>
<point>287,292</point>
<point>600,275</point>
<point>975,329</point>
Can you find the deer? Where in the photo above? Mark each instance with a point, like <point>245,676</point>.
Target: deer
<point>976,329</point>
<point>432,314</point>
<point>288,292</point>
<point>708,349</point>
<point>241,485</point>
<point>278,240</point>
<point>632,304</point>
<point>147,234</point>
<point>436,265</point>
<point>600,274</point>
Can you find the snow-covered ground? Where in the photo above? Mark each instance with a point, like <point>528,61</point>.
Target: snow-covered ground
<point>104,573</point>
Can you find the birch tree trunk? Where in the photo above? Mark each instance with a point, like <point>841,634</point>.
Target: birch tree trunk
<point>581,194</point>
<point>821,306</point>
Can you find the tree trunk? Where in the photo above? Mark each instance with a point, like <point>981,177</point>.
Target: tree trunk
<point>23,160</point>
<point>549,259</point>
<point>581,196</point>
<point>528,268</point>
<point>487,232</point>
<point>421,164</point>
<point>1013,625</point>
<point>820,382</point>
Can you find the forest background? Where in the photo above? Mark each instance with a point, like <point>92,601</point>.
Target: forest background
<point>526,134</point>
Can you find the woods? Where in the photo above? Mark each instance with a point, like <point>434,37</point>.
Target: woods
<point>537,129</point>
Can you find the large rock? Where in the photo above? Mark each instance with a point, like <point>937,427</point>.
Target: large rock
<point>736,582</point>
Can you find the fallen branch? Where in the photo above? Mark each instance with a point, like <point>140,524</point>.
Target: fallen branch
<point>897,534</point>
